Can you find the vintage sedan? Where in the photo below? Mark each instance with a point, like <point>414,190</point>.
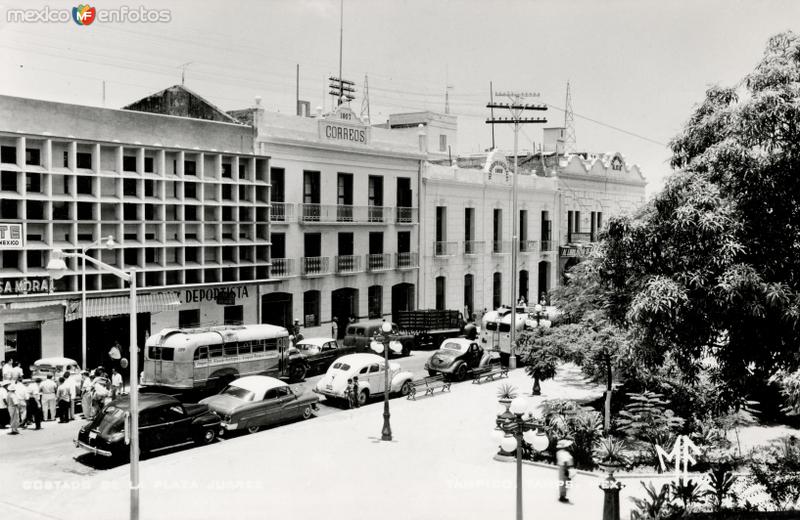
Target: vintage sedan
<point>164,422</point>
<point>370,369</point>
<point>361,334</point>
<point>457,357</point>
<point>253,402</point>
<point>318,354</point>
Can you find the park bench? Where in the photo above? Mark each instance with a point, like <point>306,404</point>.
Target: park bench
<point>430,384</point>
<point>488,373</point>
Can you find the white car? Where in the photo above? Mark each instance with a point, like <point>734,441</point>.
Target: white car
<point>371,377</point>
<point>55,366</point>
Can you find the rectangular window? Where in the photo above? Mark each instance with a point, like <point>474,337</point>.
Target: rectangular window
<point>233,315</point>
<point>523,227</point>
<point>404,241</point>
<point>33,182</point>
<point>129,163</point>
<point>375,185</point>
<point>189,168</point>
<point>344,189</point>
<point>190,190</point>
<point>312,243</point>
<point>8,154</point>
<point>33,156</point>
<point>441,223</point>
<point>497,290</point>
<point>375,301</point>
<point>345,244</point>
<point>84,160</point>
<point>277,193</point>
<point>469,224</point>
<point>227,171</point>
<point>311,308</point>
<point>148,165</point>
<point>497,231</point>
<point>8,181</point>
<point>376,243</point>
<point>311,193</point>
<point>404,193</point>
<point>278,249</point>
<point>442,143</point>
<point>577,222</point>
<point>440,293</point>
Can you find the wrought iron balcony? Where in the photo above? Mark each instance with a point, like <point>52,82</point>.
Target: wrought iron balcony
<point>348,264</point>
<point>281,212</point>
<point>406,215</point>
<point>528,246</point>
<point>474,247</point>
<point>379,262</point>
<point>407,260</point>
<point>444,248</point>
<point>580,238</point>
<point>282,267</point>
<point>314,265</point>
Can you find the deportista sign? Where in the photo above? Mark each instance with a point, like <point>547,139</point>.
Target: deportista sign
<point>10,236</point>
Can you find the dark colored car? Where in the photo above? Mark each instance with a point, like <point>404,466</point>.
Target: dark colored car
<point>164,422</point>
<point>318,354</point>
<point>360,334</point>
<point>457,357</point>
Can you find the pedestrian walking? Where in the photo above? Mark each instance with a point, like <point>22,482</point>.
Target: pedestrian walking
<point>63,396</point>
<point>34,405</point>
<point>13,403</point>
<point>116,384</point>
<point>348,393</point>
<point>48,390</point>
<point>564,461</point>
<point>3,405</point>
<point>356,393</point>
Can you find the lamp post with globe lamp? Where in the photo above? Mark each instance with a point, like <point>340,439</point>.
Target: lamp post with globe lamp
<point>57,268</point>
<point>515,425</point>
<point>385,338</point>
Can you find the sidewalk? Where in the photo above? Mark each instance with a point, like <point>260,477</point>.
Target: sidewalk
<point>439,466</point>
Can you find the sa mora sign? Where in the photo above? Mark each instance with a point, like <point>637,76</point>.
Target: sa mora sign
<point>10,236</point>
<point>16,286</point>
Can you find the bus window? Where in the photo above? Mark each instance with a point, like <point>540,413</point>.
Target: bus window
<point>152,352</point>
<point>167,354</point>
<point>244,347</point>
<point>271,345</point>
<point>258,346</point>
<point>231,348</point>
<point>491,325</point>
<point>215,351</point>
<point>505,327</point>
<point>201,353</point>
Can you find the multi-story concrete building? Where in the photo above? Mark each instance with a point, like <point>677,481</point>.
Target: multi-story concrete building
<point>186,201</point>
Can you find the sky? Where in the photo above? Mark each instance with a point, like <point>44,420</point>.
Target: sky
<point>636,67</point>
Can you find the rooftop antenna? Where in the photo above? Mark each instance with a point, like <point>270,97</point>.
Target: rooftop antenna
<point>569,125</point>
<point>447,90</point>
<point>183,71</point>
<point>341,39</point>
<point>365,100</point>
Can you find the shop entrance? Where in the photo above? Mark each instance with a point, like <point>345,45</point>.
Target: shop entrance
<point>101,333</point>
<point>344,303</point>
<point>276,309</point>
<point>23,343</point>
<point>402,299</point>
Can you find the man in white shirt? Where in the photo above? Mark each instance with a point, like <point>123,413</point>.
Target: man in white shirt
<point>34,404</point>
<point>8,369</point>
<point>116,383</point>
<point>48,389</point>
<point>16,372</point>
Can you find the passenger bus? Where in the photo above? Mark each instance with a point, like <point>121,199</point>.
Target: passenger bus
<point>496,330</point>
<point>211,357</point>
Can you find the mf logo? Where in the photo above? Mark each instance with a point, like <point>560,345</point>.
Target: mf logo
<point>84,14</point>
<point>681,455</point>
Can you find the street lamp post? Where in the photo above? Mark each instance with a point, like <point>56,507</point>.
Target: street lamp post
<point>385,338</point>
<point>515,426</point>
<point>109,243</point>
<point>57,268</point>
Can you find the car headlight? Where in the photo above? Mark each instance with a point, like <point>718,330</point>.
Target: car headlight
<point>227,418</point>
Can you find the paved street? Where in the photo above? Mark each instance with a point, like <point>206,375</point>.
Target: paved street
<point>439,465</point>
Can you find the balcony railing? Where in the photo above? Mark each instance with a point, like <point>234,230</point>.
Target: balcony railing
<point>474,247</point>
<point>348,264</point>
<point>282,267</point>
<point>407,260</point>
<point>343,213</point>
<point>528,246</point>
<point>580,238</point>
<point>444,248</point>
<point>406,215</point>
<point>500,247</point>
<point>314,265</point>
<point>281,212</point>
<point>547,245</point>
<point>379,262</point>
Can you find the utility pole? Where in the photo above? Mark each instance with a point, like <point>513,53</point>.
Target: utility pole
<point>491,111</point>
<point>517,108</point>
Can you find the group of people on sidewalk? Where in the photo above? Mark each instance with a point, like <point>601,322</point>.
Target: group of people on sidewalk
<point>32,401</point>
<point>351,393</point>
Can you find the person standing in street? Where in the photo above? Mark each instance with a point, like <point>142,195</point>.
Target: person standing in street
<point>564,461</point>
<point>3,405</point>
<point>48,390</point>
<point>356,392</point>
<point>63,396</point>
<point>116,384</point>
<point>72,384</point>
<point>86,396</point>
<point>16,373</point>
<point>13,403</point>
<point>348,393</point>
<point>115,354</point>
<point>22,393</point>
<point>34,406</point>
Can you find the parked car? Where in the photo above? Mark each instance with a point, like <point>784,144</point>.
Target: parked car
<point>253,402</point>
<point>164,422</point>
<point>57,366</point>
<point>318,354</point>
<point>371,378</point>
<point>457,357</point>
<point>360,334</point>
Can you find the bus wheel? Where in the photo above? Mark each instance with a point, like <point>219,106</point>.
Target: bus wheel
<point>297,372</point>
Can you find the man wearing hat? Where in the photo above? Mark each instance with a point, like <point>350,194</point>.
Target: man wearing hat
<point>14,405</point>
<point>564,461</point>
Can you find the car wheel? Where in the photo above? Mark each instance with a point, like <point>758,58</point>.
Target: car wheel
<point>461,372</point>
<point>405,389</point>
<point>308,412</point>
<point>208,436</point>
<point>253,429</point>
<point>363,397</point>
<point>297,372</point>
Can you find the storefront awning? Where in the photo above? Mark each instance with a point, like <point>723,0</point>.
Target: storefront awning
<point>119,305</point>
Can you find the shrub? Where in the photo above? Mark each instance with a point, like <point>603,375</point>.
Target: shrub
<point>648,421</point>
<point>566,419</point>
<point>777,469</point>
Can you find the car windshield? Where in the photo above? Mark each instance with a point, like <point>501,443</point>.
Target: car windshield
<point>239,392</point>
<point>307,346</point>
<point>454,346</point>
<point>111,421</point>
<point>491,325</point>
<point>341,366</point>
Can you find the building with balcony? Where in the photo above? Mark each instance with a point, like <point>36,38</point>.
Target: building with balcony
<point>344,219</point>
<point>185,199</point>
<point>466,229</point>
